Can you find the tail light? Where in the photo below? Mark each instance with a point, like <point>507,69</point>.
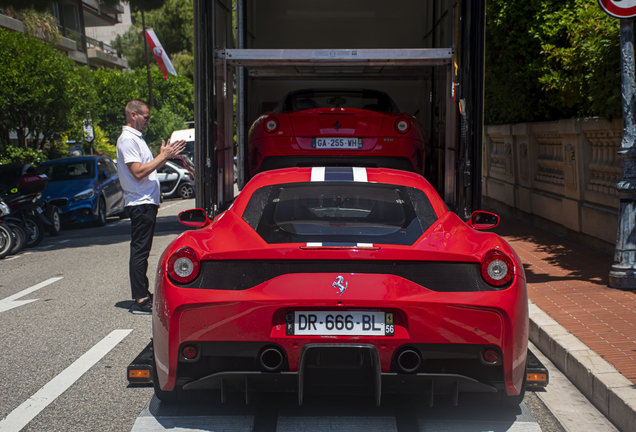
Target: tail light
<point>496,268</point>
<point>271,125</point>
<point>191,176</point>
<point>184,265</point>
<point>402,125</point>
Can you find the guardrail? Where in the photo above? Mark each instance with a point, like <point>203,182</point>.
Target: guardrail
<point>561,173</point>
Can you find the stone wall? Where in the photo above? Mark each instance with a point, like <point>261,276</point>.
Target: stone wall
<point>560,174</point>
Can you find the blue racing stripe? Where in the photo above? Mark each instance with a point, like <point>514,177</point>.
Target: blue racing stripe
<point>338,174</point>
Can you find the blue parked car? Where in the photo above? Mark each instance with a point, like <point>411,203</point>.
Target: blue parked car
<point>85,188</point>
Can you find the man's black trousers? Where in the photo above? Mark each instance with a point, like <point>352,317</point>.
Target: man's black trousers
<point>142,228</point>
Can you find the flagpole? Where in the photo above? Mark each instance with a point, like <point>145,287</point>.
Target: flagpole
<point>143,24</point>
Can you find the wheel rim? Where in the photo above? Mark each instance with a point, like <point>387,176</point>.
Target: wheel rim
<point>32,229</point>
<point>56,221</point>
<point>186,191</point>
<point>5,241</point>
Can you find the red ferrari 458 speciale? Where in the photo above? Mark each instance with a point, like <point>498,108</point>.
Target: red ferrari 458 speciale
<point>340,280</point>
<point>318,127</point>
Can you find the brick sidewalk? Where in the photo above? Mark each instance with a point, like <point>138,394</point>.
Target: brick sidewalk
<point>569,282</point>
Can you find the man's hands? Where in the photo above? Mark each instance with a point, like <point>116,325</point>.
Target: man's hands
<point>172,149</point>
<point>168,150</point>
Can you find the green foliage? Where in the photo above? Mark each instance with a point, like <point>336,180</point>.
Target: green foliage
<point>10,154</point>
<point>550,60</point>
<point>174,26</point>
<point>183,63</point>
<point>43,23</point>
<point>582,50</point>
<point>161,126</point>
<point>42,92</point>
<point>173,99</point>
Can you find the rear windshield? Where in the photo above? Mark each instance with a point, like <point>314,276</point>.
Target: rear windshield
<point>61,171</point>
<point>339,213</point>
<point>363,99</point>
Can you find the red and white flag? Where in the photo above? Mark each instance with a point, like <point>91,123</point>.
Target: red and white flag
<point>160,54</point>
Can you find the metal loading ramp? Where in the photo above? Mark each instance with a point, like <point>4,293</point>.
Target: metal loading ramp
<point>341,63</point>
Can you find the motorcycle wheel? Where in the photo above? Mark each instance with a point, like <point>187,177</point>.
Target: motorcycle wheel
<point>34,230</point>
<point>52,213</point>
<point>19,236</point>
<point>6,240</point>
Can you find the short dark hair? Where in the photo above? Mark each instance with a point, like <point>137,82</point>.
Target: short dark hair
<point>135,105</point>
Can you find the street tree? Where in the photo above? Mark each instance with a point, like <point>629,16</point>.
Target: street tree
<point>173,24</point>
<point>42,92</point>
<point>174,101</point>
<point>550,60</point>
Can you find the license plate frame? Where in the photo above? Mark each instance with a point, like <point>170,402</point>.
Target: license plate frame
<point>340,323</point>
<point>336,143</point>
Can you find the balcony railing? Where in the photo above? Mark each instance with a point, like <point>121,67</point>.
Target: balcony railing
<point>90,43</point>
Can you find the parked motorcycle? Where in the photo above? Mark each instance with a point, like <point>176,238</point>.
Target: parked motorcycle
<point>19,234</point>
<point>25,212</point>
<point>6,233</point>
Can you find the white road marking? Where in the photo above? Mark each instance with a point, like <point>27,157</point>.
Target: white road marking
<point>22,415</point>
<point>12,302</point>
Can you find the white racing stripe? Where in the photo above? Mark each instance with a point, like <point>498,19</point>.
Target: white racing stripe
<point>318,174</point>
<point>22,415</point>
<point>359,174</point>
<point>10,302</point>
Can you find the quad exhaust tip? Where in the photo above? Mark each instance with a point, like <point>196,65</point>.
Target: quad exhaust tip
<point>271,359</point>
<point>409,360</point>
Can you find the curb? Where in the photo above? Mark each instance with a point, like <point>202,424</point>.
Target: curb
<point>609,391</point>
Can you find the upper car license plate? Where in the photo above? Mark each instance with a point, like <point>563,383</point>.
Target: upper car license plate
<point>349,323</point>
<point>336,143</point>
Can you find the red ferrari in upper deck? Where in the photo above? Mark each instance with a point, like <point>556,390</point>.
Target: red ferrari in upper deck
<point>317,127</point>
<point>340,280</point>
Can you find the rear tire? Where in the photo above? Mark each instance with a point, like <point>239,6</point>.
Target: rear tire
<point>20,238</point>
<point>34,230</point>
<point>53,215</point>
<point>7,240</point>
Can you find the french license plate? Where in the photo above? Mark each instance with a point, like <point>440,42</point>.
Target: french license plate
<point>336,143</point>
<point>349,323</point>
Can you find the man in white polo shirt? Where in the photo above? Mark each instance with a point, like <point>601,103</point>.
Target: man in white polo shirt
<point>138,177</point>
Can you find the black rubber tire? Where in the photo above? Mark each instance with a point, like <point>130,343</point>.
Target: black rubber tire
<point>6,240</point>
<point>186,191</point>
<point>52,213</point>
<point>20,238</point>
<point>101,213</point>
<point>164,396</point>
<point>34,230</point>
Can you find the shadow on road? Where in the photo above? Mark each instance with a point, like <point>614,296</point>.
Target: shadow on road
<point>76,235</point>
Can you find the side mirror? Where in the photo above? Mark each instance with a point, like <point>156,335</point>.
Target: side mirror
<point>105,174</point>
<point>482,220</point>
<point>197,218</point>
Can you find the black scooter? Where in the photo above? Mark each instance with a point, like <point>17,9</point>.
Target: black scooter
<point>25,212</point>
<point>10,230</point>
